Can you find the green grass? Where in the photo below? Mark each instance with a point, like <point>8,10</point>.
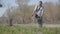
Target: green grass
<point>27,30</point>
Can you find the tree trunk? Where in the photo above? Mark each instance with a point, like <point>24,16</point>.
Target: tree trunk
<point>10,22</point>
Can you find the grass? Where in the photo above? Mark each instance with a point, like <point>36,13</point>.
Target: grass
<point>28,30</point>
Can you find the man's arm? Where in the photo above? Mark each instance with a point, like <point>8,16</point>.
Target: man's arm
<point>34,11</point>
<point>42,11</point>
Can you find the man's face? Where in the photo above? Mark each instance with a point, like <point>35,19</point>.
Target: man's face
<point>40,2</point>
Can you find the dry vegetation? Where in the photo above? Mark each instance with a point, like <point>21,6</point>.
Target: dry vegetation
<point>22,15</point>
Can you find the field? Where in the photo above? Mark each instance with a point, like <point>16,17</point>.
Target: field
<point>21,29</point>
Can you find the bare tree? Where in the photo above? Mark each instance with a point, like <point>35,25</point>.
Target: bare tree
<point>9,16</point>
<point>22,5</point>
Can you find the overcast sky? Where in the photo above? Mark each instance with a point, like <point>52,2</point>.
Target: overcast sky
<point>36,1</point>
<point>12,3</point>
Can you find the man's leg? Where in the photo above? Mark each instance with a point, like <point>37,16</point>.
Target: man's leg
<point>39,20</point>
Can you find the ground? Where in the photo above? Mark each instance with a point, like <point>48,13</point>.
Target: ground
<point>30,29</point>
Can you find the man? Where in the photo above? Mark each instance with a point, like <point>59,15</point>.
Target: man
<point>38,13</point>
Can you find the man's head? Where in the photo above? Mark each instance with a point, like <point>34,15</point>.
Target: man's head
<point>40,3</point>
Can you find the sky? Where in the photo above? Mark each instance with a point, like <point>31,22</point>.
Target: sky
<point>6,3</point>
<point>36,1</point>
<point>12,3</point>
